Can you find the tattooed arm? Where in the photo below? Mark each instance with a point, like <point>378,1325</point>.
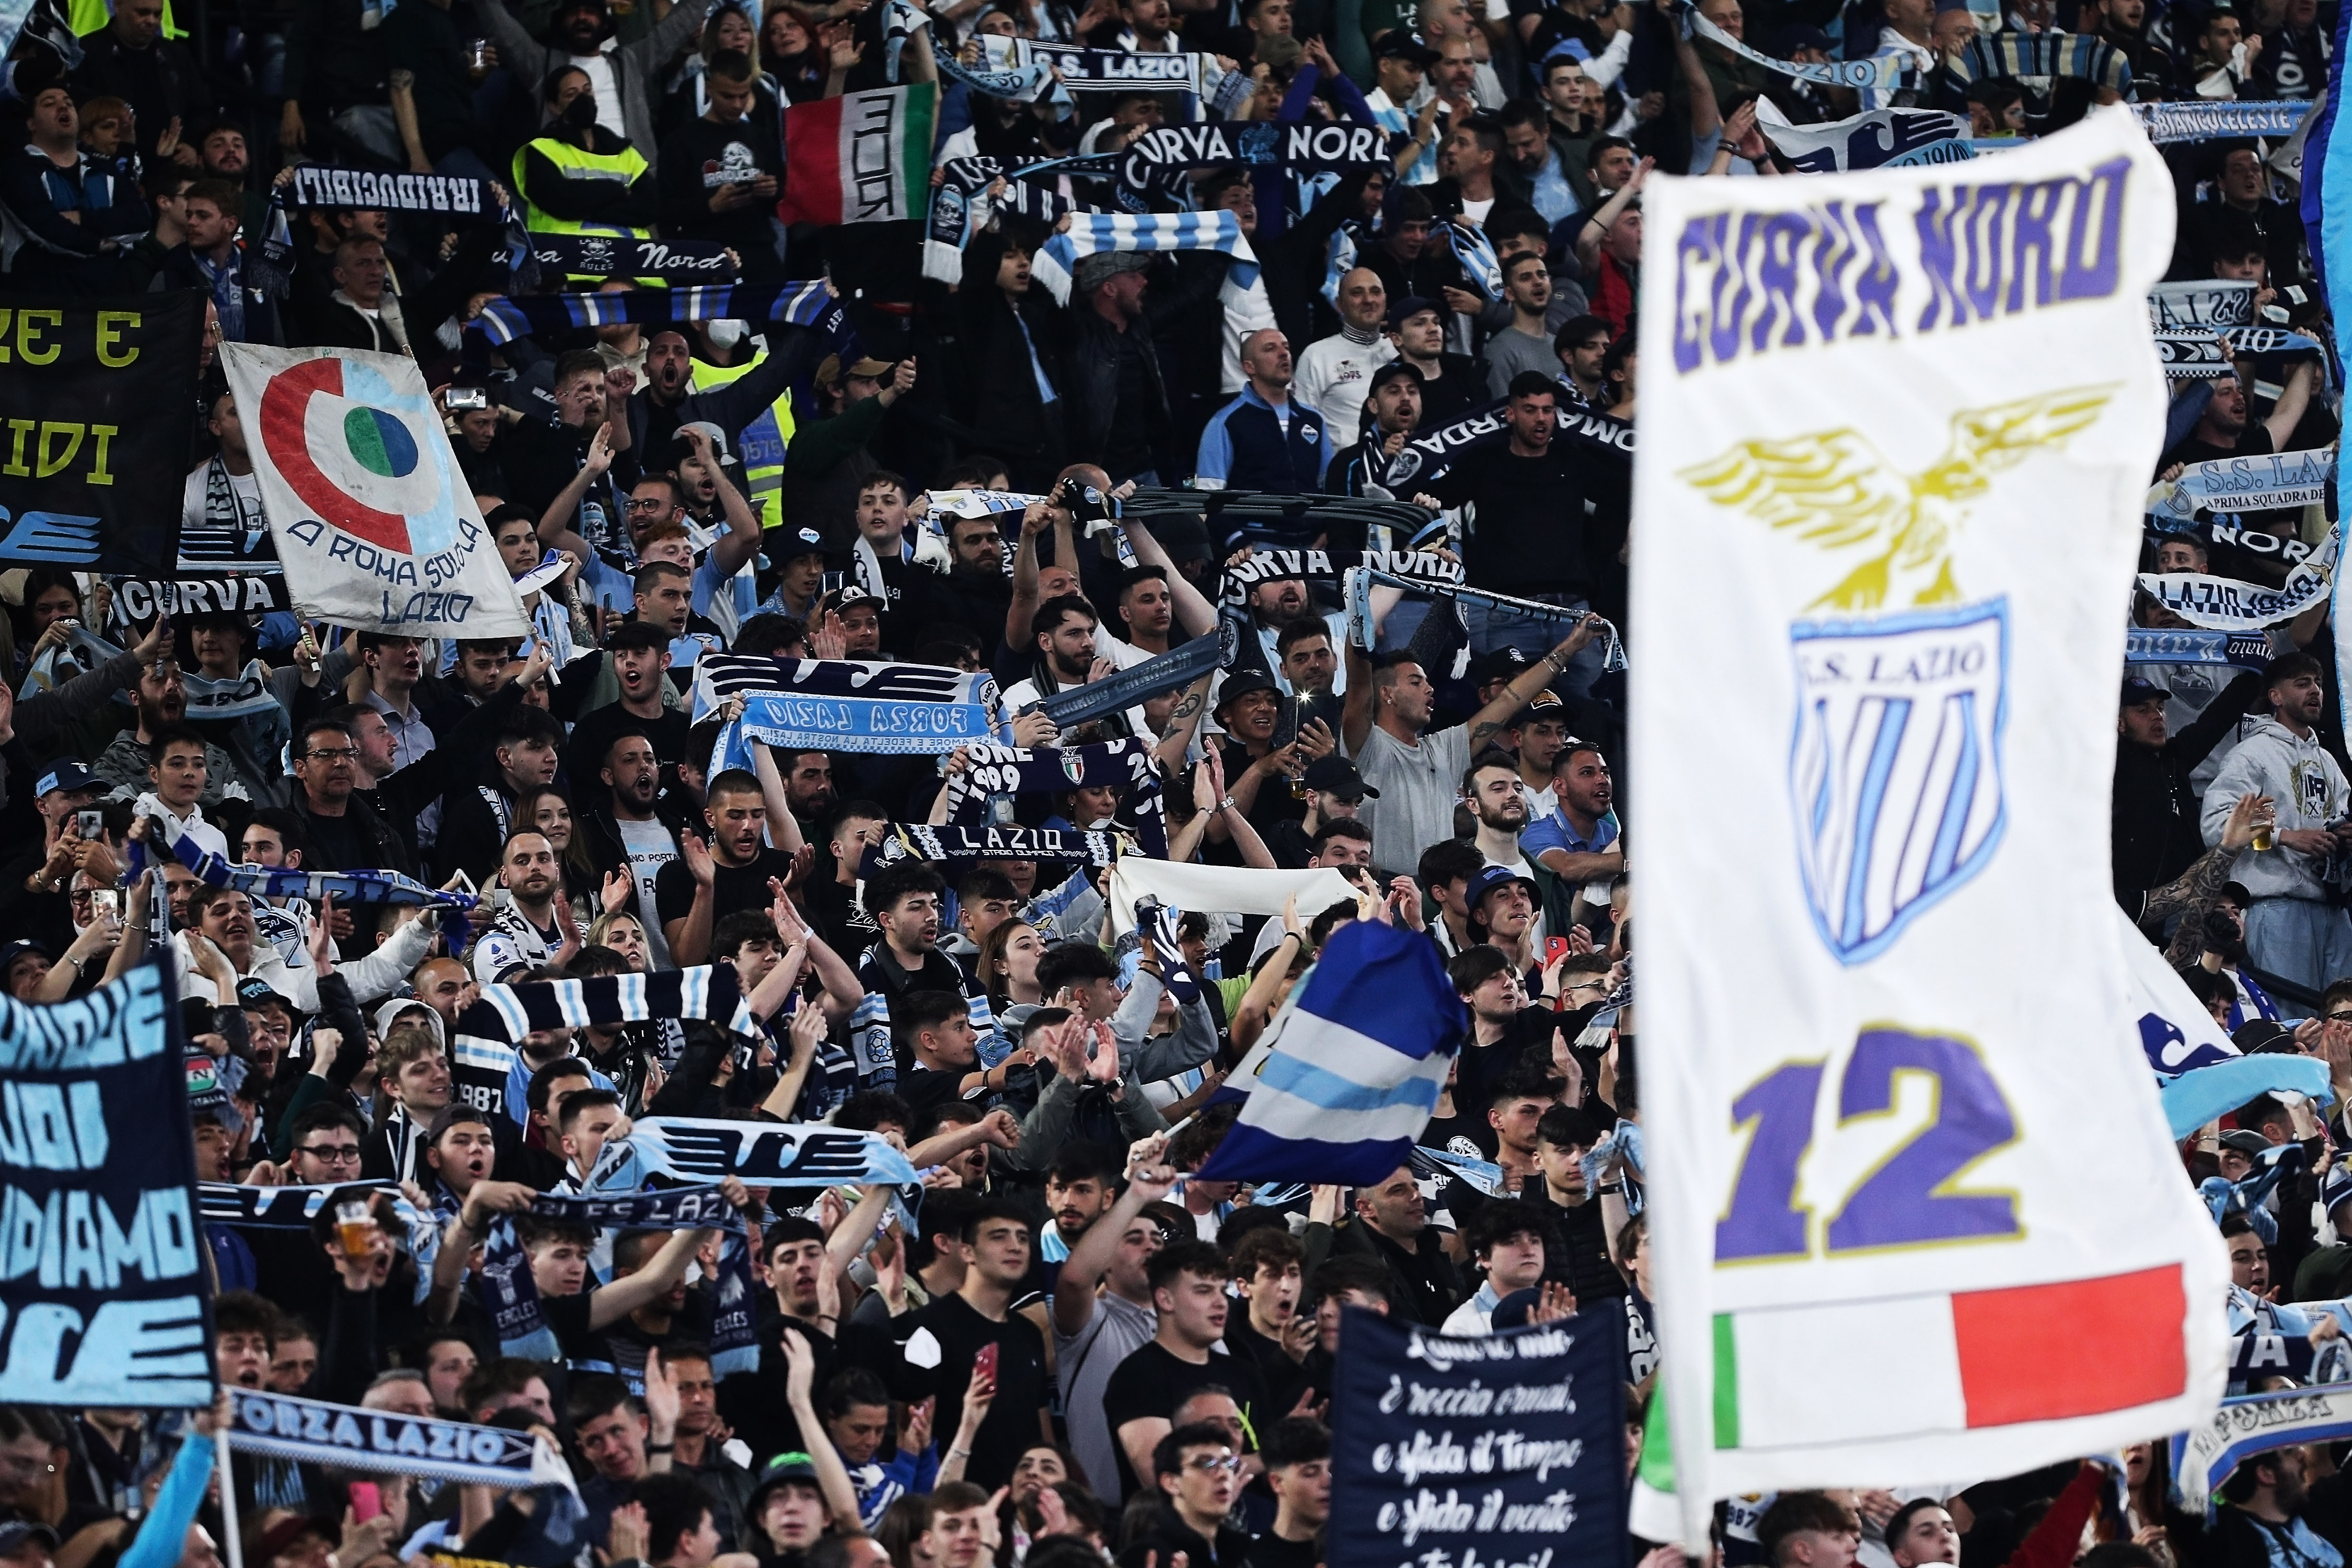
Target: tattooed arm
<point>2194,891</point>
<point>1183,719</point>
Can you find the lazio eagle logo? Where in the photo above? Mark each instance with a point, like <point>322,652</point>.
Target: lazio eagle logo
<point>1894,766</point>
<point>1838,493</point>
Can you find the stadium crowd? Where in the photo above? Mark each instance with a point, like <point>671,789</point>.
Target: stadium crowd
<point>1071,1349</point>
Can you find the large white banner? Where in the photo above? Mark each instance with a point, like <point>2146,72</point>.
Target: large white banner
<point>1888,493</point>
<point>375,525</point>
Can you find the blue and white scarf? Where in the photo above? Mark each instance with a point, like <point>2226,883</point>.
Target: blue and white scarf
<point>2243,650</point>
<point>2202,121</point>
<point>1116,692</point>
<point>313,1432</point>
<point>2274,480</point>
<point>1476,253</point>
<point>966,200</point>
<point>968,846</point>
<point>806,302</point>
<point>1091,233</point>
<point>844,705</point>
<point>763,1153</point>
<point>277,882</point>
<point>1861,75</point>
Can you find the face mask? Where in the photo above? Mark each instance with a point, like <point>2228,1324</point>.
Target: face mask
<point>725,334</point>
<point>580,112</point>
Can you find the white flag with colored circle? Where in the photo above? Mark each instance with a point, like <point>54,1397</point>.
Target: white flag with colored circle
<point>375,522</point>
<point>1916,1210</point>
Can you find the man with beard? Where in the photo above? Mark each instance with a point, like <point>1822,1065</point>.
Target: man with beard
<point>536,928</point>
<point>346,833</point>
<point>809,793</point>
<point>2266,1522</point>
<point>1095,1331</point>
<point>639,657</point>
<point>1064,655</point>
<point>163,700</point>
<point>706,884</point>
<point>478,817</point>
<point>635,830</point>
<point>977,586</point>
<point>1081,1185</point>
<point>1498,807</point>
<point>1579,842</point>
<point>623,78</point>
<point>2292,929</point>
<point>1392,1224</point>
<point>1393,398</point>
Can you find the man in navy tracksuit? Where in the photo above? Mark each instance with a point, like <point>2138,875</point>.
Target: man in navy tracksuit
<point>1262,440</point>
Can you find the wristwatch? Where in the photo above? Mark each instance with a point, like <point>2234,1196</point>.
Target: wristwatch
<point>1227,804</point>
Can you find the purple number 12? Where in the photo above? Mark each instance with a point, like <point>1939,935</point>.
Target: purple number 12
<point>1903,1201</point>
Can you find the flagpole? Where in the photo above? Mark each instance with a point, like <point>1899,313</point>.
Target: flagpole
<point>232,1542</point>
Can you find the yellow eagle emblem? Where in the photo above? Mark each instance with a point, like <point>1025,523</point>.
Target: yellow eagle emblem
<point>1839,493</point>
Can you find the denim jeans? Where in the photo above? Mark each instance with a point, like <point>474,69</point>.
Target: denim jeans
<point>1536,635</point>
<point>2300,939</point>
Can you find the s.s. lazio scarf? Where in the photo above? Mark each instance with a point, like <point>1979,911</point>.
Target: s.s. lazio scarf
<point>806,302</point>
<point>1023,84</point>
<point>2227,604</point>
<point>2208,305</point>
<point>2077,55</point>
<point>1011,770</point>
<point>2245,650</point>
<point>1861,75</point>
<point>968,846</point>
<point>313,1432</point>
<point>844,705</point>
<point>2254,1424</point>
<point>1090,233</point>
<point>1301,148</point>
<point>2242,484</point>
<point>1364,579</point>
<point>240,696</point>
<point>358,886</point>
<point>2202,119</point>
<point>1101,70</point>
<point>592,254</point>
<point>1329,568</point>
<point>1114,693</point>
<point>763,1153</point>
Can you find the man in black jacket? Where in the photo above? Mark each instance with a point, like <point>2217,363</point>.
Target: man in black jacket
<point>1198,1475</point>
<point>634,825</point>
<point>1117,395</point>
<point>1393,1222</point>
<point>2156,832</point>
<point>345,834</point>
<point>158,77</point>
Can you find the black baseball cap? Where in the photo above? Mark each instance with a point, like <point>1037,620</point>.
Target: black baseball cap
<point>2138,689</point>
<point>1544,704</point>
<point>1241,682</point>
<point>1335,774</point>
<point>1411,305</point>
<point>1398,43</point>
<point>1501,664</point>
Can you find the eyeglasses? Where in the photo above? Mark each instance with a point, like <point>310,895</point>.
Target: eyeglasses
<point>332,1154</point>
<point>648,503</point>
<point>1209,1463</point>
<point>331,753</point>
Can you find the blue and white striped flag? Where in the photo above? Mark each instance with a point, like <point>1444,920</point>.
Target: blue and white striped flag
<point>1090,233</point>
<point>1344,1082</point>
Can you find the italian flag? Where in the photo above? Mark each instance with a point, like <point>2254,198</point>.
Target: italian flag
<point>1903,1366</point>
<point>864,157</point>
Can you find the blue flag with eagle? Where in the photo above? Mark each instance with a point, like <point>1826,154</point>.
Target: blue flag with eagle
<point>1344,1080</point>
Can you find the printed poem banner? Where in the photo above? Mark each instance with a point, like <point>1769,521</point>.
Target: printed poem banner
<point>1478,1453</point>
<point>375,527</point>
<point>1884,1253</point>
<point>102,1294</point>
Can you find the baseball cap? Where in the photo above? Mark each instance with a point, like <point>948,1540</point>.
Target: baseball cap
<point>2259,1037</point>
<point>1544,704</point>
<point>1406,309</point>
<point>21,946</point>
<point>1501,664</point>
<point>66,773</point>
<point>1398,43</point>
<point>869,369</point>
<point>1241,683</point>
<point>1494,876</point>
<point>783,1470</point>
<point>1393,370</point>
<point>1335,774</point>
<point>2140,688</point>
<point>256,992</point>
<point>450,1116</point>
<point>2245,1141</point>
<point>800,542</point>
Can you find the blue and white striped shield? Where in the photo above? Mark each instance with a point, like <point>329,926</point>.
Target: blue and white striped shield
<point>1894,773</point>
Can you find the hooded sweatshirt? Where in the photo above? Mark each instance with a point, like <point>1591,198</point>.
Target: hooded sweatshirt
<point>2309,791</point>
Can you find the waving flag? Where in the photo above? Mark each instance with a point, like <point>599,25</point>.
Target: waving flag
<point>1345,1080</point>
<point>375,527</point>
<point>864,157</point>
<point>1881,1246</point>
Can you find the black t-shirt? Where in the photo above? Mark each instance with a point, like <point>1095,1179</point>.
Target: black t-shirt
<point>832,910</point>
<point>1015,1420</point>
<point>1271,1550</point>
<point>922,1088</point>
<point>620,1346</point>
<point>1528,536</point>
<point>703,156</point>
<point>2253,441</point>
<point>1154,1381</point>
<point>591,738</point>
<point>732,887</point>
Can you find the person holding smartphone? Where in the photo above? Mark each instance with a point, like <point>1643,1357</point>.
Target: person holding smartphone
<point>33,887</point>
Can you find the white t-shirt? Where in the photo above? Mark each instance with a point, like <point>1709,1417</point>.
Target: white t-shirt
<point>1335,376</point>
<point>650,848</point>
<point>607,89</point>
<point>1476,211</point>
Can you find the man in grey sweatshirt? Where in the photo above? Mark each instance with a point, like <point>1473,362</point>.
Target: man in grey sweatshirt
<point>2292,929</point>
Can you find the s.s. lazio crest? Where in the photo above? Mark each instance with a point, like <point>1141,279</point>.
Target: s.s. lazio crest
<point>1895,760</point>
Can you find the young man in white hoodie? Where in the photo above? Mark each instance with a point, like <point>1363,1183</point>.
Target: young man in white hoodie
<point>2292,930</point>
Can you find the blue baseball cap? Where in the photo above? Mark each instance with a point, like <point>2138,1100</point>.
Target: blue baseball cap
<point>67,774</point>
<point>1494,876</point>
